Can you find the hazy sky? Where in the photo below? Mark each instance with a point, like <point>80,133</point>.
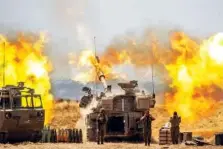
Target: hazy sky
<point>72,24</point>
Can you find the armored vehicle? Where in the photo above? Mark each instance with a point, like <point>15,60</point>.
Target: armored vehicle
<point>21,114</point>
<point>123,110</point>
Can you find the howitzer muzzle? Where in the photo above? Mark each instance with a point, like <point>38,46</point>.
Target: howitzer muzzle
<point>101,76</point>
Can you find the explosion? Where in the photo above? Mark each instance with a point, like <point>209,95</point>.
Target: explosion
<point>196,77</point>
<point>192,70</point>
<point>24,61</point>
<point>105,64</point>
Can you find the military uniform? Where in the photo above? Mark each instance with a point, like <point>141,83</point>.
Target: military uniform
<point>175,128</point>
<point>147,121</point>
<point>101,121</point>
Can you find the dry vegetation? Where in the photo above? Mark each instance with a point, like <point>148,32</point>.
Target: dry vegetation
<point>65,114</point>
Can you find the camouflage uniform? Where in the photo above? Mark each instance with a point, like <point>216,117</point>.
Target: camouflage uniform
<point>101,121</point>
<point>175,129</point>
<point>147,121</point>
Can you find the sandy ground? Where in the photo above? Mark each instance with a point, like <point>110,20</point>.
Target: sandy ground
<point>66,115</point>
<point>105,146</point>
<point>205,127</point>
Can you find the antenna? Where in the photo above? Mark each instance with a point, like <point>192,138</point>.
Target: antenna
<point>95,67</point>
<point>3,64</point>
<point>152,72</point>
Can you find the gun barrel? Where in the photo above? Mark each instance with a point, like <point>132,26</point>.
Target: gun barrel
<point>102,79</point>
<point>101,75</point>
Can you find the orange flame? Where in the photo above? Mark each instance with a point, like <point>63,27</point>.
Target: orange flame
<point>196,75</point>
<point>25,62</point>
<point>193,70</point>
<point>88,59</point>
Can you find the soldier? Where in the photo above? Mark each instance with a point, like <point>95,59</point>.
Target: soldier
<point>175,129</point>
<point>101,121</point>
<point>147,121</point>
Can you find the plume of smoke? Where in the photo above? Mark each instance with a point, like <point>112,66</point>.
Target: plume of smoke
<point>69,12</point>
<point>81,123</point>
<point>84,36</point>
<point>139,53</point>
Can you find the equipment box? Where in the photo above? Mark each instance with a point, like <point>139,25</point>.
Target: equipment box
<point>219,139</point>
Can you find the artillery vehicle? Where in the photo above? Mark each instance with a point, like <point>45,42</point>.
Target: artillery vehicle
<point>21,114</point>
<point>123,111</point>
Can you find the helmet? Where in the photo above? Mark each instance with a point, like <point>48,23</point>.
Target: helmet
<point>147,111</point>
<point>175,113</point>
<point>102,110</point>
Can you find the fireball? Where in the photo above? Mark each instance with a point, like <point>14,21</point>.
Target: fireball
<point>93,64</point>
<point>194,70</point>
<point>25,61</point>
<point>196,75</point>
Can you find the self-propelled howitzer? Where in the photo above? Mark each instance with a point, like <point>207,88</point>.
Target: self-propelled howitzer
<point>122,110</point>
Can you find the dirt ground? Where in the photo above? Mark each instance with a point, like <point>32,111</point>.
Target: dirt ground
<point>95,146</point>
<point>66,115</point>
<point>205,127</point>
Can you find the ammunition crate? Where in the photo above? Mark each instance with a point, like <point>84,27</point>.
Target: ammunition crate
<point>165,136</point>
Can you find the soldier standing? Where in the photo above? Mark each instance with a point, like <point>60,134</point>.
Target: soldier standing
<point>175,127</point>
<point>147,121</point>
<point>101,121</point>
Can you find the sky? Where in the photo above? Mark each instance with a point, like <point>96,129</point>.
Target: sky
<point>72,24</point>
